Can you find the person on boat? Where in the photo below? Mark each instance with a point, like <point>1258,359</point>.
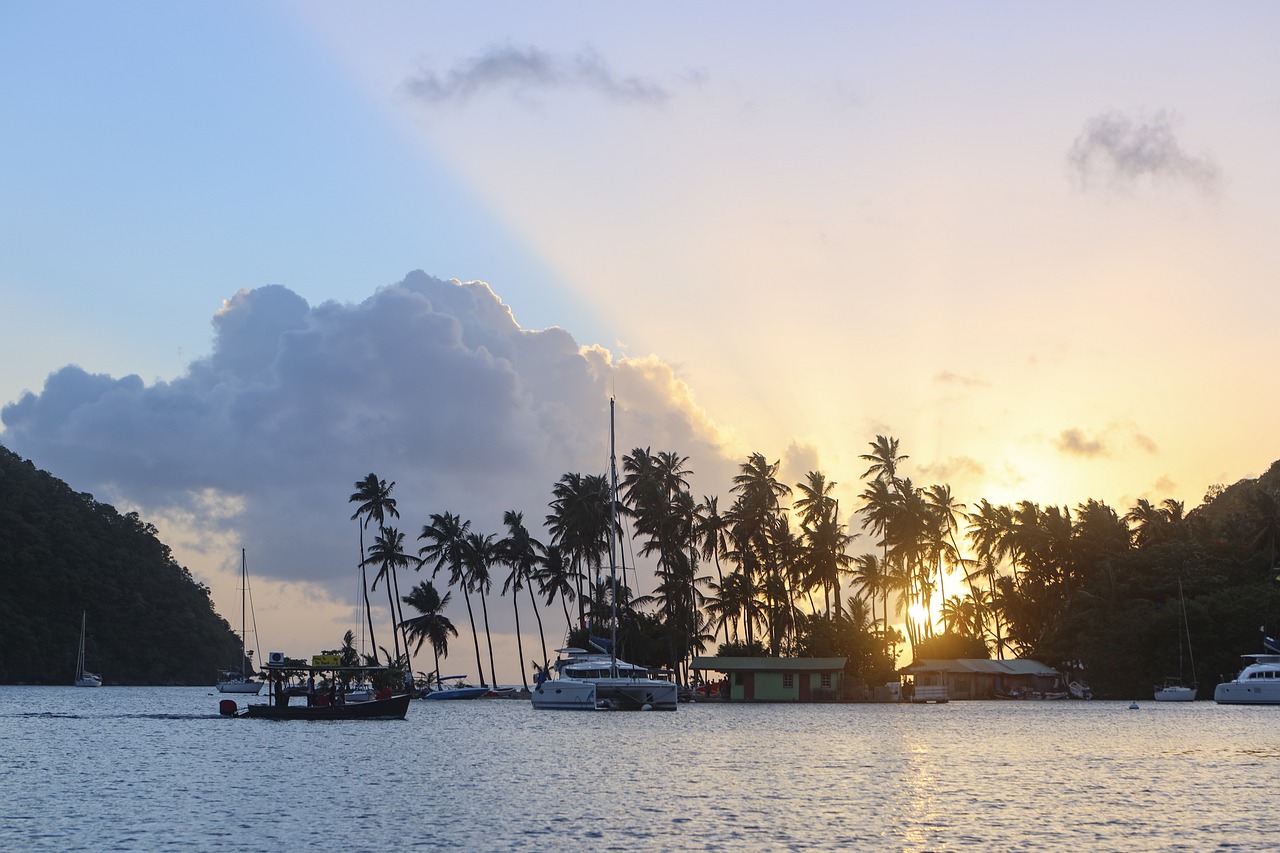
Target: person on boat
<point>311,690</point>
<point>282,695</point>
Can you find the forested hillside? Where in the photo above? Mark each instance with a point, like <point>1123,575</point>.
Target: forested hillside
<point>63,553</point>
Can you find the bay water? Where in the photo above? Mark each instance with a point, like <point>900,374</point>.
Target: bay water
<point>134,768</point>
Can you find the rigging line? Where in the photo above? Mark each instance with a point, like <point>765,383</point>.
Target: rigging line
<point>253,616</point>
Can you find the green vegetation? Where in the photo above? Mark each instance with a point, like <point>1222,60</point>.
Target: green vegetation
<point>62,553</point>
<point>1089,591</point>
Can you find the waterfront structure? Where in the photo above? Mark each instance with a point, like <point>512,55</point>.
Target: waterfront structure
<point>750,679</point>
<point>977,678</point>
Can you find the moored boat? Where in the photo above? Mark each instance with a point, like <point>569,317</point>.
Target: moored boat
<point>1173,690</point>
<point>242,680</point>
<point>457,690</point>
<point>82,677</point>
<point>601,678</point>
<point>1257,684</point>
<point>327,699</point>
<point>619,685</point>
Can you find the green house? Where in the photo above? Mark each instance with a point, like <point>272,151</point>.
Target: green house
<point>776,679</point>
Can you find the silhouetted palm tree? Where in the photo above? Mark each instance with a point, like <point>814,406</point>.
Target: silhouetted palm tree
<point>431,625</point>
<point>376,503</point>
<point>387,552</point>
<point>520,552</point>
<point>480,557</point>
<point>446,537</point>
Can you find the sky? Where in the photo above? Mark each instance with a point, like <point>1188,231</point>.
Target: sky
<point>252,252</point>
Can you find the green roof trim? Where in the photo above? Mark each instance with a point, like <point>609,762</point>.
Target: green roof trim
<point>716,663</point>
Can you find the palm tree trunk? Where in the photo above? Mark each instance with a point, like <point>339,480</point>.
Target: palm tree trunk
<point>399,611</point>
<point>515,600</point>
<point>475,638</point>
<point>488,638</point>
<point>541,636</point>
<point>364,588</point>
<point>391,607</point>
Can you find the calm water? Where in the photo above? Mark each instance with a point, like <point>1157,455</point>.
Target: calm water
<point>157,769</point>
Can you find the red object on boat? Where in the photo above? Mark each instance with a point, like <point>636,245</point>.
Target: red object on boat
<point>227,707</point>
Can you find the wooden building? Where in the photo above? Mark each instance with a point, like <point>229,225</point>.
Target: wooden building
<point>975,678</point>
<point>776,679</point>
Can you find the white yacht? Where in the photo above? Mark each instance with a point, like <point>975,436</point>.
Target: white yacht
<point>1174,691</point>
<point>563,694</point>
<point>590,680</point>
<point>619,685</point>
<point>1257,684</point>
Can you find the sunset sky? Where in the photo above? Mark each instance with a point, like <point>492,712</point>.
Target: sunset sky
<point>1034,243</point>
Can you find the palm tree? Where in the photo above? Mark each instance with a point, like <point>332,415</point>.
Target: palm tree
<point>579,524</point>
<point>387,551</point>
<point>555,580</point>
<point>519,551</point>
<point>884,459</point>
<point>431,625</point>
<point>480,557</point>
<point>446,537</point>
<point>711,530</point>
<point>376,503</point>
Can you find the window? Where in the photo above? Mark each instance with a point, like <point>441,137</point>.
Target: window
<point>788,680</point>
<point>826,680</point>
<point>737,678</point>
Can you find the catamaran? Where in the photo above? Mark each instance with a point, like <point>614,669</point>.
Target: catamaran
<point>599,679</point>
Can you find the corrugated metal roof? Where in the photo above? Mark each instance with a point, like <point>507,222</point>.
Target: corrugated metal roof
<point>979,665</point>
<point>736,664</point>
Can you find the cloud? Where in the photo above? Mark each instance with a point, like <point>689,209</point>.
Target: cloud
<point>525,69</point>
<point>954,379</point>
<point>1119,151</point>
<point>431,384</point>
<point>1073,441</point>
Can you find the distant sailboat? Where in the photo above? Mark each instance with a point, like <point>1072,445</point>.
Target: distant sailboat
<point>1173,690</point>
<point>231,681</point>
<point>84,679</point>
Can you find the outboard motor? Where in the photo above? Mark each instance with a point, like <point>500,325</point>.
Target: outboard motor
<point>227,707</point>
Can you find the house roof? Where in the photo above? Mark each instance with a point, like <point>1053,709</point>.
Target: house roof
<point>742,664</point>
<point>979,665</point>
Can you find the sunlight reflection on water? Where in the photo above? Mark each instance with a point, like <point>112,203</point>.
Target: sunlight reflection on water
<point>156,769</point>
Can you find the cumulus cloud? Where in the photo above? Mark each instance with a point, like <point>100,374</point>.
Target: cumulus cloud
<point>522,70</point>
<point>1120,151</point>
<point>431,384</point>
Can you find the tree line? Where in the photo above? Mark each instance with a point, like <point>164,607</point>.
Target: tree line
<point>1090,590</point>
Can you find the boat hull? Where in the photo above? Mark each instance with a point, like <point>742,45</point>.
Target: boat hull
<point>88,680</point>
<point>625,694</point>
<point>457,693</point>
<point>1175,694</point>
<point>1236,693</point>
<point>250,687</point>
<point>562,694</point>
<point>393,708</point>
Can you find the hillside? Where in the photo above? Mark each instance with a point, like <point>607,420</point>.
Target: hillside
<point>63,553</point>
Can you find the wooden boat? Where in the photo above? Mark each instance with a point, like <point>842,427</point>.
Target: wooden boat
<point>391,708</point>
<point>332,703</point>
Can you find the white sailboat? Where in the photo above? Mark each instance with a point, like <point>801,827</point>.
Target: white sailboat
<point>84,679</point>
<point>586,680</point>
<point>1173,690</point>
<point>242,681</point>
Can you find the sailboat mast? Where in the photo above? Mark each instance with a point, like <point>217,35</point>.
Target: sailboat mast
<point>613,563</point>
<point>244,637</point>
<point>1186,629</point>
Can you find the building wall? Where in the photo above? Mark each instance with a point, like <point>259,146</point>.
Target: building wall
<point>785,686</point>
